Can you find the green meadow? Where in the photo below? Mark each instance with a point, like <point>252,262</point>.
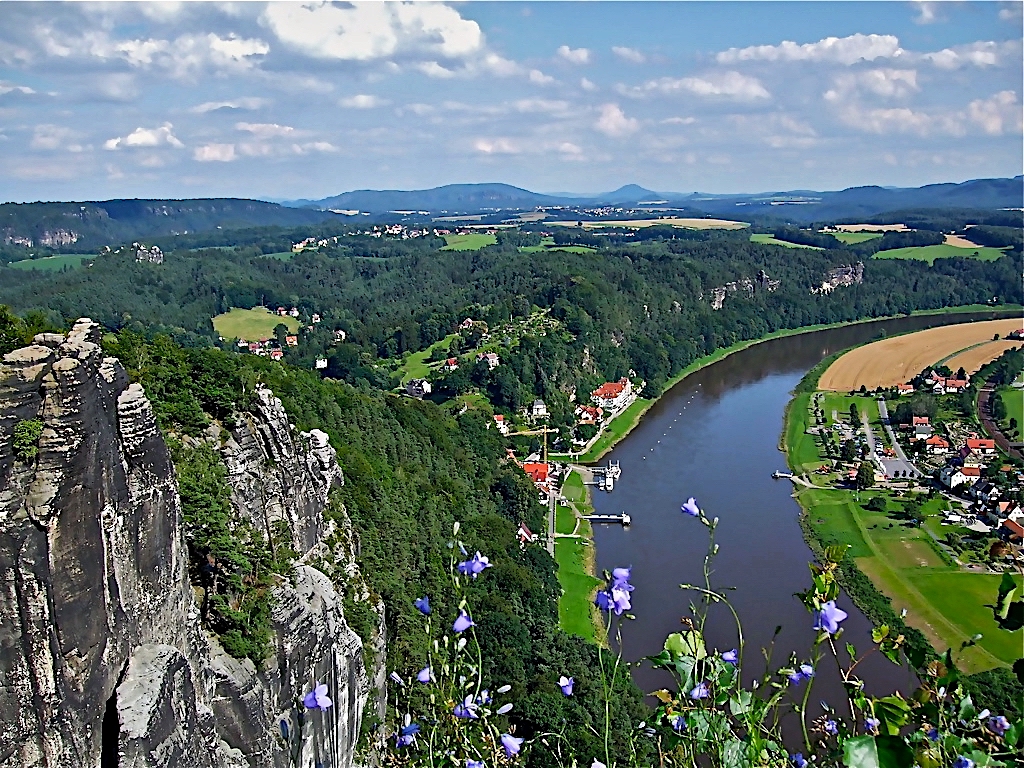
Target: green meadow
<point>251,324</point>
<point>53,263</point>
<point>470,242</point>
<point>930,253</point>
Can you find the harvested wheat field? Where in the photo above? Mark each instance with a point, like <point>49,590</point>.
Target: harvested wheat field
<point>972,359</point>
<point>889,362</point>
<point>959,242</point>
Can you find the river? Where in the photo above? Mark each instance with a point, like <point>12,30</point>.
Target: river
<point>715,436</point>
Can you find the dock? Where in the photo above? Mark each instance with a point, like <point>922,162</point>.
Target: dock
<point>622,519</point>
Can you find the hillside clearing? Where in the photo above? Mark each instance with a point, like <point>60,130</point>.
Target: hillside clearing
<point>53,263</point>
<point>252,324</point>
<point>471,242</point>
<point>930,253</point>
<point>871,227</point>
<point>766,239</point>
<point>893,361</point>
<point>852,238</point>
<point>666,222</point>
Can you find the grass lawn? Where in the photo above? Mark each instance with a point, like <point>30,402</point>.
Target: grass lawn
<point>471,242</point>
<point>1013,399</point>
<point>415,365</point>
<point>851,238</point>
<point>930,253</point>
<point>280,255</point>
<point>618,429</point>
<point>251,324</point>
<point>801,448</point>
<point>53,263</point>
<point>576,612</point>
<point>766,239</point>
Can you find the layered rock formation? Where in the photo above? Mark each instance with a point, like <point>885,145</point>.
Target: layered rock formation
<point>103,661</point>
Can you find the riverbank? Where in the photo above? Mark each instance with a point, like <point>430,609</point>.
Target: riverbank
<point>626,421</point>
<point>577,562</point>
<point>893,565</point>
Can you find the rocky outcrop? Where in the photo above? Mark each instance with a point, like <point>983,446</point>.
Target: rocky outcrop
<point>103,660</point>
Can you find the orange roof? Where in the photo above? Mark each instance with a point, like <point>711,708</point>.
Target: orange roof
<point>920,420</point>
<point>536,470</point>
<point>971,471</point>
<point>610,390</point>
<point>499,417</point>
<point>1013,527</point>
<point>937,440</point>
<point>979,443</point>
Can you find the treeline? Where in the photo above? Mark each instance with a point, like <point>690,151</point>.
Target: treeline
<point>866,249</point>
<point>411,471</point>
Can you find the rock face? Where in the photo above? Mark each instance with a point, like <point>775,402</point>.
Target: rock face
<point>103,660</point>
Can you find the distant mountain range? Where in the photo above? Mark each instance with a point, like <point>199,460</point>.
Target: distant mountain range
<point>797,204</point>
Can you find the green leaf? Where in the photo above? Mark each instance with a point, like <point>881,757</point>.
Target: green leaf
<point>689,643</point>
<point>893,712</point>
<point>877,752</point>
<point>740,703</point>
<point>851,650</point>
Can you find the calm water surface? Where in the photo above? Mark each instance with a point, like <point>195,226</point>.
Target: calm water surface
<point>715,436</point>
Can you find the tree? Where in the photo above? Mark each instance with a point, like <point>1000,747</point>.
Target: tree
<point>849,450</point>
<point>865,476</point>
<point>280,333</point>
<point>854,416</point>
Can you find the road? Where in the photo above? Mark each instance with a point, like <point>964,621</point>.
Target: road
<point>901,463</point>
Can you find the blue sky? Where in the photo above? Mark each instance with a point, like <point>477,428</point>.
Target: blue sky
<point>308,99</point>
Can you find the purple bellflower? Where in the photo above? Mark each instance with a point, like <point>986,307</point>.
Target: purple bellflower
<point>318,698</point>
<point>511,745</point>
<point>798,760</point>
<point>425,675</point>
<point>832,727</point>
<point>466,709</point>
<point>422,605</point>
<point>731,657</point>
<point>474,566</point>
<point>998,725</point>
<point>829,617</point>
<point>690,507</point>
<point>963,762</point>
<point>700,691</point>
<point>471,763</point>
<point>407,735</point>
<point>463,622</point>
<point>566,684</point>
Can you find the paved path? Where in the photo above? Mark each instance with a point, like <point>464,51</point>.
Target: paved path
<point>901,463</point>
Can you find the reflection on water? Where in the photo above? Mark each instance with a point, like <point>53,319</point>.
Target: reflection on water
<point>716,436</point>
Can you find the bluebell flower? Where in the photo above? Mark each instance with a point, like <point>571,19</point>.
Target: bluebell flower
<point>871,724</point>
<point>397,678</point>
<point>807,671</point>
<point>471,763</point>
<point>484,698</point>
<point>603,600</point>
<point>678,723</point>
<point>832,727</point>
<point>731,657</point>
<point>511,745</point>
<point>318,698</point>
<point>566,684</point>
<point>700,691</point>
<point>463,622</point>
<point>963,762</point>
<point>424,675</point>
<point>597,764</point>
<point>798,760</point>
<point>422,605</point>
<point>466,709</point>
<point>795,678</point>
<point>504,709</point>
<point>690,507</point>
<point>933,734</point>
<point>998,725</point>
<point>474,566</point>
<point>829,617</point>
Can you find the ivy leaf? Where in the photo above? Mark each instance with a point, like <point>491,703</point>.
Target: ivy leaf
<point>877,752</point>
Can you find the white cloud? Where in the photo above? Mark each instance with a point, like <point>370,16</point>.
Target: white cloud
<point>679,121</point>
<point>843,50</point>
<point>363,101</point>
<point>888,83</point>
<point>433,69</point>
<point>538,77</point>
<point>568,148</point>
<point>313,146</point>
<point>54,137</point>
<point>730,85</point>
<point>1012,12</point>
<point>613,122</point>
<point>247,103</point>
<point>574,55</point>
<point>549,106</point>
<point>978,54</point>
<point>370,31</point>
<point>501,66</point>
<point>587,85</point>
<point>145,137</point>
<point>266,130</point>
<point>927,13</point>
<point>8,87</point>
<point>631,55</point>
<point>499,146</point>
<point>997,114</point>
<point>215,153</point>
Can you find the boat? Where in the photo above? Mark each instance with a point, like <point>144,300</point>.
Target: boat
<point>780,474</point>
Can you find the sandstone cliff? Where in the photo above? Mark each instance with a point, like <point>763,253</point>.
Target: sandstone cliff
<point>103,661</point>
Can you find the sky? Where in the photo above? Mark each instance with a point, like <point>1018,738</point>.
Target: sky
<point>309,99</point>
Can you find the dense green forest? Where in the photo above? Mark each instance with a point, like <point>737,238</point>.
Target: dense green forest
<point>411,471</point>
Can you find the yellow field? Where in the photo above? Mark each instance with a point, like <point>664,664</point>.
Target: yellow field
<point>672,222</point>
<point>972,359</point>
<point>871,227</point>
<point>959,242</point>
<point>893,361</point>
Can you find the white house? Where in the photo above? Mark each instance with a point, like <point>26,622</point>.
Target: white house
<point>493,361</point>
<point>538,410</point>
<point>952,477</point>
<point>613,395</point>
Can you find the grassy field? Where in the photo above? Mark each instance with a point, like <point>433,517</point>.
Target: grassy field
<point>666,222</point>
<point>766,239</point>
<point>1013,399</point>
<point>53,263</point>
<point>576,612</point>
<point>471,242</point>
<point>251,324</point>
<point>852,238</point>
<point>930,253</point>
<point>946,603</point>
<point>416,366</point>
<point>892,361</point>
<point>280,255</point>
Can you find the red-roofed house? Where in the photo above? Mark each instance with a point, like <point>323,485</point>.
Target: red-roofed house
<point>291,341</point>
<point>493,361</point>
<point>955,385</point>
<point>937,444</point>
<point>904,389</point>
<point>538,471</point>
<point>1012,531</point>
<point>499,420</point>
<point>919,420</point>
<point>525,535</point>
<point>451,364</point>
<point>613,395</point>
<point>276,354</point>
<point>588,414</point>
<point>981,446</point>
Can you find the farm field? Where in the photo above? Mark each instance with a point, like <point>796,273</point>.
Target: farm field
<point>959,242</point>
<point>852,238</point>
<point>53,263</point>
<point>902,560</point>
<point>280,255</point>
<point>972,359</point>
<point>548,244</point>
<point>889,362</point>
<point>871,227</point>
<point>471,242</point>
<point>766,239</point>
<point>930,253</point>
<point>251,324</point>
<point>672,222</point>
